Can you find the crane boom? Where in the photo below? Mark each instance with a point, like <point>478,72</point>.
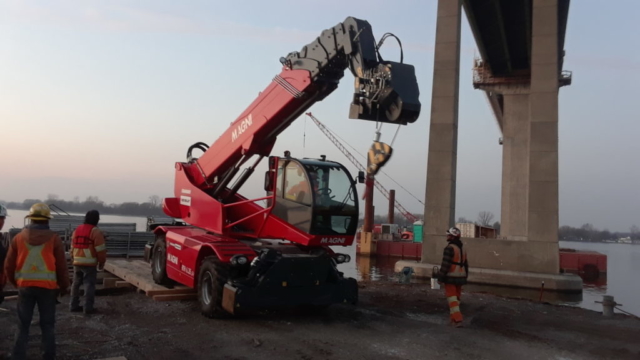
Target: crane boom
<point>242,254</point>
<point>409,216</point>
<point>385,91</point>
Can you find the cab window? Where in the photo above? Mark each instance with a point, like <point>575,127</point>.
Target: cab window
<point>296,184</point>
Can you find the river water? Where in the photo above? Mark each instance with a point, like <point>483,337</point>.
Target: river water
<point>623,265</point>
<point>623,262</point>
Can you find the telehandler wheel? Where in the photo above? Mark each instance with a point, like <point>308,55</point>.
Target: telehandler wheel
<point>211,279</point>
<point>159,263</point>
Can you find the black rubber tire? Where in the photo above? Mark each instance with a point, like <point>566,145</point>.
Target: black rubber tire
<point>159,263</point>
<point>211,279</point>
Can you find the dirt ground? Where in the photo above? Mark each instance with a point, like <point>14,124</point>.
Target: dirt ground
<point>392,321</point>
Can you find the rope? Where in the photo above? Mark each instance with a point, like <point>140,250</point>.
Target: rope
<point>628,313</point>
<point>304,136</point>
<point>394,136</point>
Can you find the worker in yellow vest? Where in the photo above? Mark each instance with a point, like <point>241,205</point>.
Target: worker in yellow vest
<point>453,273</point>
<point>88,253</point>
<point>36,265</point>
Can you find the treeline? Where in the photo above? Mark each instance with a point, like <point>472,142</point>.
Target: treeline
<point>589,233</point>
<point>149,208</point>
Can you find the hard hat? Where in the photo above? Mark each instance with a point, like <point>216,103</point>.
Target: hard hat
<point>39,211</point>
<point>3,211</point>
<point>454,231</point>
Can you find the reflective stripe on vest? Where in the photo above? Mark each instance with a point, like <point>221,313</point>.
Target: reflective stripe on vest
<point>457,269</point>
<point>36,265</point>
<point>82,245</point>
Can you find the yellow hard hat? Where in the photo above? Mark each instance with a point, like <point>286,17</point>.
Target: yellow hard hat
<point>39,211</point>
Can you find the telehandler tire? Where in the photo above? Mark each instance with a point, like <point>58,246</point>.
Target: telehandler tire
<point>159,263</point>
<point>211,279</point>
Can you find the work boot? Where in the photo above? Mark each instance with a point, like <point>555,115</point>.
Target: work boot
<point>92,311</point>
<point>456,324</point>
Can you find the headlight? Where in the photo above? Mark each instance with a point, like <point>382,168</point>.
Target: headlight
<point>342,258</point>
<point>239,260</point>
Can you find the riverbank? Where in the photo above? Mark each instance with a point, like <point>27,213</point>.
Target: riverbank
<point>392,321</point>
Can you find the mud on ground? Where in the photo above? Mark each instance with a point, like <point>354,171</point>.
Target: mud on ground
<point>392,321</point>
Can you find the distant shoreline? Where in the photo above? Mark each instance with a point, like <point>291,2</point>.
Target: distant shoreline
<point>102,212</point>
<point>633,242</point>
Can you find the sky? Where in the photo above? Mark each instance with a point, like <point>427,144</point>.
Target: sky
<point>102,98</point>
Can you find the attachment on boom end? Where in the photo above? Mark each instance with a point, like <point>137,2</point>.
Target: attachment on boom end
<point>385,91</point>
<point>378,155</point>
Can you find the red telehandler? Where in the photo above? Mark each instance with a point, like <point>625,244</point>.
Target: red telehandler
<point>240,254</point>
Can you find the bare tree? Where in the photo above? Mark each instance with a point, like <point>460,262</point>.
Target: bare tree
<point>634,229</point>
<point>484,218</point>
<point>52,197</point>
<point>496,225</point>
<point>154,200</point>
<point>464,220</point>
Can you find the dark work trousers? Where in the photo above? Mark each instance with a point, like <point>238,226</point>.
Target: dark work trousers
<point>28,297</point>
<point>86,274</point>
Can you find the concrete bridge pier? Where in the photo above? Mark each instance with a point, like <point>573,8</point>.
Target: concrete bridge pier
<point>527,251</point>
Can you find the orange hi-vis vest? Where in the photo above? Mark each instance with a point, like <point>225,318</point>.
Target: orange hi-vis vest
<point>457,269</point>
<point>84,250</point>
<point>36,264</point>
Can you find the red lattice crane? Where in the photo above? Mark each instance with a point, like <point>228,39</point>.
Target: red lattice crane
<point>409,216</point>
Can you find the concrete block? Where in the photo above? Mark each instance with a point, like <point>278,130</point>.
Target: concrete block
<point>439,219</point>
<point>447,55</point>
<point>543,166</point>
<point>544,136</point>
<point>444,110</point>
<point>544,18</point>
<point>443,137</point>
<point>448,30</point>
<point>545,3</point>
<point>543,226</point>
<point>449,8</point>
<point>544,77</point>
<point>543,196</point>
<point>443,167</point>
<point>441,193</point>
<point>544,106</point>
<point>431,251</point>
<point>499,254</point>
<point>544,49</point>
<point>565,283</point>
<point>445,82</point>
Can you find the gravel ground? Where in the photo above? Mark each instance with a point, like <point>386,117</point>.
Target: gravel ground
<point>391,321</point>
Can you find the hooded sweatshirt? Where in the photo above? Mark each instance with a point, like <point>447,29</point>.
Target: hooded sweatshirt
<point>36,234</point>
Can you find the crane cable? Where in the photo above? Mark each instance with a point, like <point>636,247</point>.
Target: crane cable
<point>362,156</point>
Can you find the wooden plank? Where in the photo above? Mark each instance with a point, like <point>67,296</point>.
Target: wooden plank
<point>110,283</point>
<point>123,284</point>
<point>138,274</point>
<point>173,297</point>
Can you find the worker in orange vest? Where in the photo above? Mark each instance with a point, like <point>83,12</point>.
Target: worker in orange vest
<point>88,253</point>
<point>36,265</point>
<point>453,273</point>
<point>3,252</point>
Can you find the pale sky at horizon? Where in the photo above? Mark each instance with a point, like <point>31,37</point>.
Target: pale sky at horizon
<point>101,98</point>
